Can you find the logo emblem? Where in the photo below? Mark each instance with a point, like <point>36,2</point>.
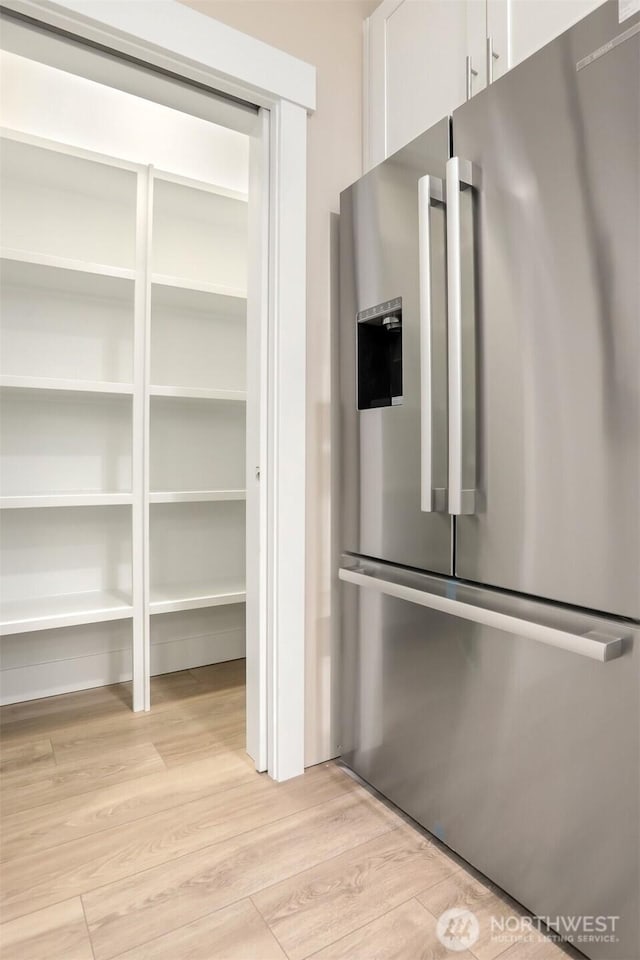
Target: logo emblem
<point>458,929</point>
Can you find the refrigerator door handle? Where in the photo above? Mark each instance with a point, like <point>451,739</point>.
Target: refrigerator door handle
<point>587,635</point>
<point>432,499</point>
<point>461,337</point>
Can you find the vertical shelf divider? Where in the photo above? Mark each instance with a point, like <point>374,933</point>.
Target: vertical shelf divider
<point>147,440</point>
<point>140,438</point>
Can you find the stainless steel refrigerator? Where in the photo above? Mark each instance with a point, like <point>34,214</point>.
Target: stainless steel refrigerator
<point>490,480</point>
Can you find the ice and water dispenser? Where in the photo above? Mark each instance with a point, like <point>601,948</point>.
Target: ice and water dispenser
<point>379,334</point>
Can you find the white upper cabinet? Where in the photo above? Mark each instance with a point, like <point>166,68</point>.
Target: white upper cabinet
<point>497,40</point>
<point>487,43</point>
<point>536,22</point>
<point>423,58</point>
<point>414,55</point>
<point>411,76</point>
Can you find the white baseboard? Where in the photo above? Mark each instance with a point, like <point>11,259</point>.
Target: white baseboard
<point>189,652</point>
<point>48,679</point>
<point>30,675</point>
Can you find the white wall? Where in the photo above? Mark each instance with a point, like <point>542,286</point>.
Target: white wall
<point>328,35</point>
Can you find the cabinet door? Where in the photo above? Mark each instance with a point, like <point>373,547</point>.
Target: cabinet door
<point>535,22</point>
<point>498,35</point>
<point>476,47</point>
<point>426,50</point>
<point>416,70</point>
<point>487,36</point>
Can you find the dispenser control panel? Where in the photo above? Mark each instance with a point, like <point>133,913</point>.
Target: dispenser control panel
<point>379,353</point>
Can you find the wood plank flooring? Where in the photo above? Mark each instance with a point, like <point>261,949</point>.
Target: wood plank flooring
<point>151,837</point>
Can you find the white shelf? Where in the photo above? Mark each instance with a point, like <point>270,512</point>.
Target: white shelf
<point>57,442</point>
<point>59,205</point>
<point>198,393</point>
<point>205,186</point>
<point>196,286</point>
<point>65,263</point>
<point>54,383</point>
<point>65,324</point>
<point>195,496</point>
<point>196,445</point>
<point>198,339</point>
<point>199,236</point>
<point>44,613</point>
<point>168,599</point>
<point>66,500</point>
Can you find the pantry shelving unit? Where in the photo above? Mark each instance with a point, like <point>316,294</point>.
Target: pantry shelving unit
<point>122,394</point>
<point>70,286</point>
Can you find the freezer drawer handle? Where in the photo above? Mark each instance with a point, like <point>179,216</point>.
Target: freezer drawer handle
<point>461,339</point>
<point>432,498</point>
<point>595,644</point>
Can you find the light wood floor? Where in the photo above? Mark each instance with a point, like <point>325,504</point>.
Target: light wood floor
<point>150,837</point>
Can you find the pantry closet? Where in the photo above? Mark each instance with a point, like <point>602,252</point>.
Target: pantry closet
<point>123,389</point>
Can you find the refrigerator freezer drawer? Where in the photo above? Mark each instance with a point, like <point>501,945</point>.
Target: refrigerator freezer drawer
<point>520,756</point>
